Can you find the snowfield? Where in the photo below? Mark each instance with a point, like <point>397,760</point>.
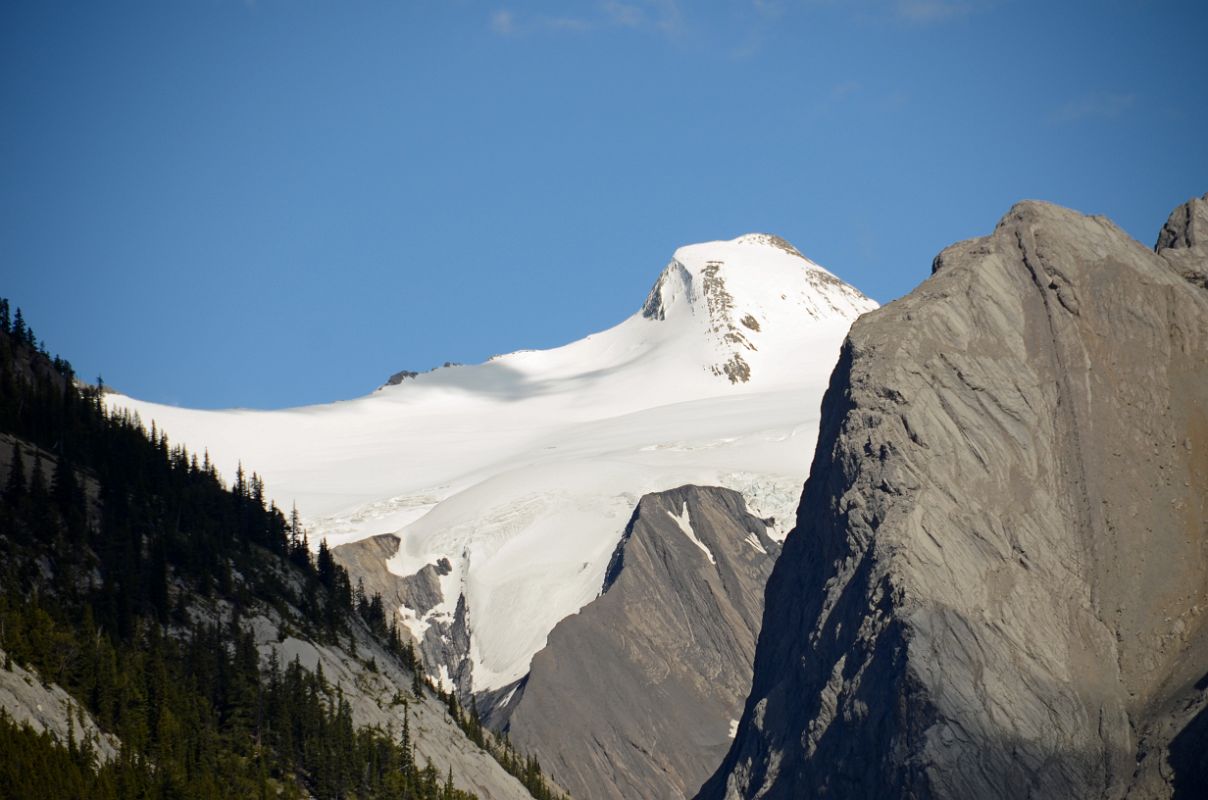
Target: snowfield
<point>524,470</point>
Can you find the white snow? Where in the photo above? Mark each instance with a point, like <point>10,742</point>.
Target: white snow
<point>733,728</point>
<point>524,470</point>
<point>684,521</point>
<point>753,540</point>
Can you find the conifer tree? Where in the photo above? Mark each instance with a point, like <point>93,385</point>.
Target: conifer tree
<point>14,487</point>
<point>63,486</point>
<point>326,565</point>
<point>37,480</point>
<point>19,329</point>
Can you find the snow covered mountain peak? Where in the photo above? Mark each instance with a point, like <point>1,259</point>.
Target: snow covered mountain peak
<point>521,472</point>
<point>735,289</point>
<point>769,240</point>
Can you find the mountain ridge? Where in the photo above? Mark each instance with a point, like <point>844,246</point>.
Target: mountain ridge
<point>635,696</point>
<point>489,466</point>
<point>997,580</point>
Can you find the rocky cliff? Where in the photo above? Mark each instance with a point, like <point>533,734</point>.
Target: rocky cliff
<point>637,695</point>
<point>445,640</point>
<point>998,583</point>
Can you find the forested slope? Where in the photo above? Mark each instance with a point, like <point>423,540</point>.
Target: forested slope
<point>179,630</point>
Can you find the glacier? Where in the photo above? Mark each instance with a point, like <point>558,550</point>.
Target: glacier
<point>522,471</point>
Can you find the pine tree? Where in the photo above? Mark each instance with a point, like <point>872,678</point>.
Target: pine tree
<point>63,486</point>
<point>408,754</point>
<point>417,686</point>
<point>326,565</point>
<point>19,329</point>
<point>257,491</point>
<point>37,480</point>
<point>14,488</point>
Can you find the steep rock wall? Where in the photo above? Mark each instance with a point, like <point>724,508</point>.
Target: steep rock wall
<point>998,583</point>
<point>637,695</point>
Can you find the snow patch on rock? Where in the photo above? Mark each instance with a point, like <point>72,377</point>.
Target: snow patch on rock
<point>684,521</point>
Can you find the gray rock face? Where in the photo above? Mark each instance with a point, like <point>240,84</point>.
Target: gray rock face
<point>998,583</point>
<point>446,642</point>
<point>1184,240</point>
<point>47,708</point>
<point>366,559</point>
<point>399,377</point>
<point>1187,227</point>
<point>636,695</point>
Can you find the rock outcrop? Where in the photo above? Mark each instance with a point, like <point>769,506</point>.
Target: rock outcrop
<point>47,708</point>
<point>637,695</point>
<point>998,583</point>
<point>1183,241</point>
<point>444,644</point>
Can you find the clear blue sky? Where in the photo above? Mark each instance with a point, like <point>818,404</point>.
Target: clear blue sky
<point>271,203</point>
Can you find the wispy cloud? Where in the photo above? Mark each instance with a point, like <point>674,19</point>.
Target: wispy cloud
<point>1099,105</point>
<point>855,99</point>
<point>768,8</point>
<point>662,16</point>
<point>626,15</point>
<point>845,89</point>
<point>572,24</point>
<point>931,10</point>
<point>503,22</point>
<point>914,12</point>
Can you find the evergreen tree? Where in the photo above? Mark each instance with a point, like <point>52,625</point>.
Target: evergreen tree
<point>37,480</point>
<point>14,487</point>
<point>326,565</point>
<point>20,331</point>
<point>63,486</point>
<point>417,686</point>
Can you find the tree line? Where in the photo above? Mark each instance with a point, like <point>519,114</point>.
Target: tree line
<point>111,540</point>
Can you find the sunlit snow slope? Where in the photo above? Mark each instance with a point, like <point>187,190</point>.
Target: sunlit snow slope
<point>523,471</point>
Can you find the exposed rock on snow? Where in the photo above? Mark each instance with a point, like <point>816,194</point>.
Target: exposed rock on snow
<point>636,695</point>
<point>366,560</point>
<point>998,581</point>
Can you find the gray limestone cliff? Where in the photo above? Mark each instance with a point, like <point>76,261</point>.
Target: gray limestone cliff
<point>637,695</point>
<point>998,582</point>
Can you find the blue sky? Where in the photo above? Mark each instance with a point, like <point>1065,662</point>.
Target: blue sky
<point>271,203</point>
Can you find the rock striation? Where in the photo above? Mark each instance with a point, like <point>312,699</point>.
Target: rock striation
<point>637,695</point>
<point>998,582</point>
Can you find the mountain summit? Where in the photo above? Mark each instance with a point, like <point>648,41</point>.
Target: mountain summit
<point>508,484</point>
<point>731,290</point>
